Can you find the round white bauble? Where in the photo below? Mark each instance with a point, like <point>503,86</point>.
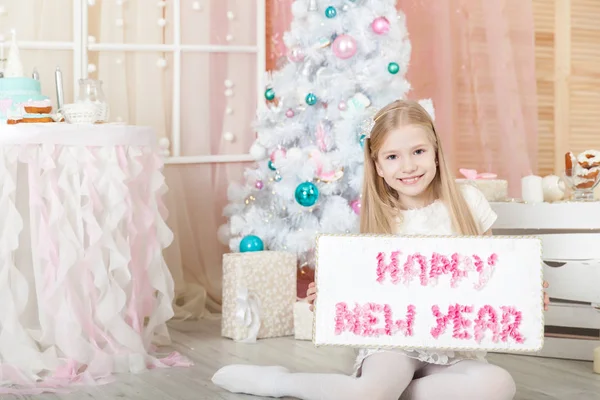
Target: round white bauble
<point>223,234</point>
<point>258,152</point>
<point>294,154</point>
<point>299,9</point>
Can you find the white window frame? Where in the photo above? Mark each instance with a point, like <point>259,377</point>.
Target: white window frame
<point>81,48</point>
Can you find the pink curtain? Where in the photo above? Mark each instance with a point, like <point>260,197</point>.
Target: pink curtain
<point>476,60</point>
<point>218,96</point>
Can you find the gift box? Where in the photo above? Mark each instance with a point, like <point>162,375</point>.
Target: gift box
<point>259,292</point>
<point>303,320</point>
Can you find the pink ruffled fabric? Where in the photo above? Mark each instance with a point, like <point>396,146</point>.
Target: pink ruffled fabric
<point>84,288</point>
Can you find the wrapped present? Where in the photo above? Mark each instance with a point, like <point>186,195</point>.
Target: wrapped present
<point>259,292</point>
<point>493,189</point>
<point>303,320</point>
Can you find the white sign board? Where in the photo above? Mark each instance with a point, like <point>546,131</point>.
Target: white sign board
<point>452,293</point>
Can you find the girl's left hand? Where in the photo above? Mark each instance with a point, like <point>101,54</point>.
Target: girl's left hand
<point>546,298</point>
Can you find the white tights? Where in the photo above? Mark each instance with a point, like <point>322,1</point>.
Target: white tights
<point>385,376</point>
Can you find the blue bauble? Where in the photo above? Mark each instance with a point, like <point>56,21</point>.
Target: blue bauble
<point>361,140</point>
<point>251,243</point>
<point>311,99</point>
<point>269,94</point>
<point>272,165</point>
<point>330,12</point>
<point>393,68</point>
<point>307,194</point>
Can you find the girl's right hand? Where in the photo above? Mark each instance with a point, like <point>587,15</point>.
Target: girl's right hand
<point>311,295</point>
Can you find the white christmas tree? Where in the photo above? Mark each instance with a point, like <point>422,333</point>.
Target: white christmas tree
<point>347,59</point>
<point>14,67</point>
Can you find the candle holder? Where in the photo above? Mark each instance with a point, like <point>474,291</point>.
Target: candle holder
<point>581,187</point>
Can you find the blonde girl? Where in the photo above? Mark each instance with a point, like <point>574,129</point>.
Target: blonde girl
<point>407,189</point>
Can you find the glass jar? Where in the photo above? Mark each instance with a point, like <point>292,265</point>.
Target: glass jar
<point>90,91</point>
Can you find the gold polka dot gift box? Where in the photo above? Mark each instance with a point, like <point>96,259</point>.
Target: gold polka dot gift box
<point>259,292</point>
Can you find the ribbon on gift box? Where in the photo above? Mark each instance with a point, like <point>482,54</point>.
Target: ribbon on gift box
<point>474,175</point>
<point>247,313</point>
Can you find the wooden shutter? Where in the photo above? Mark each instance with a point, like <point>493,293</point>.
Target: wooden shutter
<point>568,79</point>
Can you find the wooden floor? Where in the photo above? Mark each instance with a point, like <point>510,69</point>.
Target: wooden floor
<point>537,378</point>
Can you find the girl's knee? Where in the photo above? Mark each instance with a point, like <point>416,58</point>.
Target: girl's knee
<point>499,383</point>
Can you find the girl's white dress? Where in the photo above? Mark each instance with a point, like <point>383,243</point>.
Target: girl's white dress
<point>434,219</point>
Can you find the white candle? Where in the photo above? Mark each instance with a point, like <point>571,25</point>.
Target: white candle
<point>596,365</point>
<point>532,189</point>
<point>59,88</point>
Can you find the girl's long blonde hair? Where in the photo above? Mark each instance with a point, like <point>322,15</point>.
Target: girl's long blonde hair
<point>379,203</point>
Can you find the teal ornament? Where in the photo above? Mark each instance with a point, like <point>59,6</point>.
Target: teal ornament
<point>277,177</point>
<point>361,140</point>
<point>393,68</point>
<point>269,94</point>
<point>330,12</point>
<point>311,99</point>
<point>272,165</point>
<point>307,194</point>
<point>251,243</point>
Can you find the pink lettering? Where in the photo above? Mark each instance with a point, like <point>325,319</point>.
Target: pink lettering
<point>511,329</point>
<point>486,319</point>
<point>363,319</point>
<point>392,267</point>
<point>370,320</point>
<point>485,272</point>
<point>442,321</point>
<point>345,320</point>
<point>409,268</point>
<point>429,270</point>
<point>458,321</point>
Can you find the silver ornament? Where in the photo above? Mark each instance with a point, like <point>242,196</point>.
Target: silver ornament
<point>309,67</point>
<point>282,62</point>
<point>312,5</point>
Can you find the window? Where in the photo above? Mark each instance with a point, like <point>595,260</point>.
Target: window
<point>190,69</point>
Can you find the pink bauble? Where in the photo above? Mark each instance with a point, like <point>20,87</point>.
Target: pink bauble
<point>342,106</point>
<point>289,113</point>
<point>277,155</point>
<point>259,184</point>
<point>296,54</point>
<point>355,205</point>
<point>381,25</point>
<point>344,47</point>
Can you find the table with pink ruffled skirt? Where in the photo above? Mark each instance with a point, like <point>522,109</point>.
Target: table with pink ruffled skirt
<point>85,293</point>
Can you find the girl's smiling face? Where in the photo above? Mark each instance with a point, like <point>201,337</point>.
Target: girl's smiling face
<point>407,163</point>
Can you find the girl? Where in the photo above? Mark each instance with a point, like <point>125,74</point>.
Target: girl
<point>407,189</point>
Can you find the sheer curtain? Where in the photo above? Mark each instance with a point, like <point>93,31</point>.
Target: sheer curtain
<point>218,95</point>
<point>476,60</point>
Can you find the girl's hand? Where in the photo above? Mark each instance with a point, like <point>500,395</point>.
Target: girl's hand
<point>546,297</point>
<point>311,295</point>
